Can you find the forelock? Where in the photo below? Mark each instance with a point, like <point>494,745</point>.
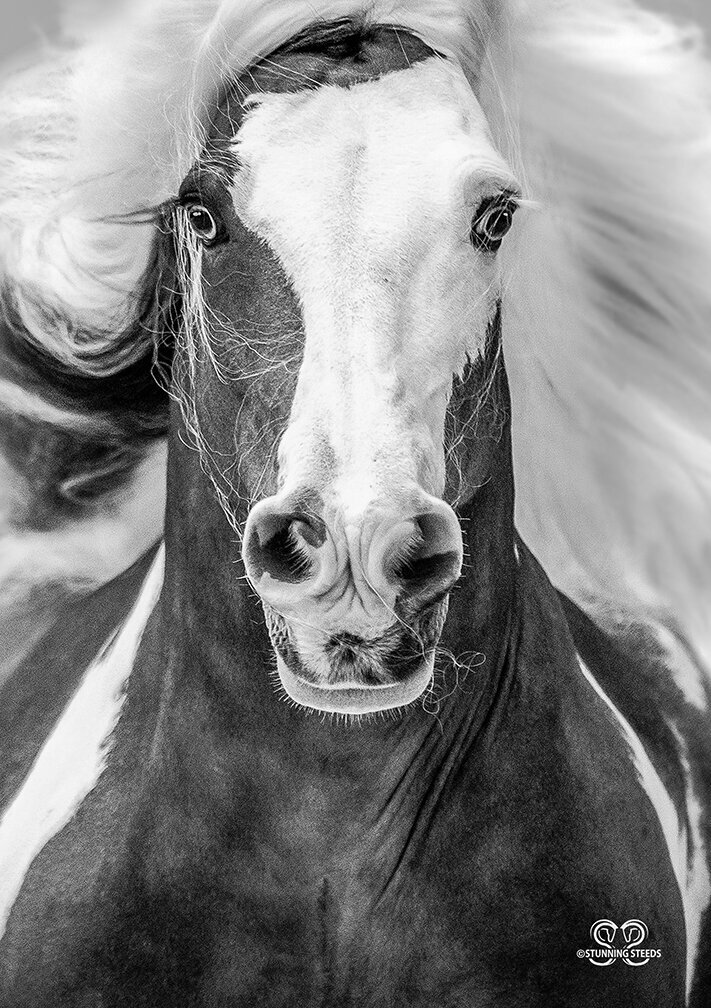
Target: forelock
<point>339,53</point>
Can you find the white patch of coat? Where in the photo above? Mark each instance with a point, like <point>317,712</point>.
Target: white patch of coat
<point>685,671</point>
<point>367,196</point>
<point>697,884</point>
<point>688,873</point>
<point>75,755</point>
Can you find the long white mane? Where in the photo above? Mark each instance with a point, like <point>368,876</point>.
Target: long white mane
<point>605,111</point>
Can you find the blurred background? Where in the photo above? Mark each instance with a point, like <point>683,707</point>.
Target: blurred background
<point>23,22</point>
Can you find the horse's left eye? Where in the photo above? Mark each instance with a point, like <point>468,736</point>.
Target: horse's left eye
<point>202,222</point>
<point>492,223</point>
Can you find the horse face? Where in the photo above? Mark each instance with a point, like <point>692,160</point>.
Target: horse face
<point>349,275</point>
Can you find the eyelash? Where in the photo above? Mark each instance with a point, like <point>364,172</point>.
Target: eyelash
<point>194,206</point>
<point>493,221</point>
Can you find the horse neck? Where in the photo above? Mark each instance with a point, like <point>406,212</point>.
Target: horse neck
<point>219,698</point>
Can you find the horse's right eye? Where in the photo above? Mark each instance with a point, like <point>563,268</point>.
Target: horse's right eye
<point>202,223</point>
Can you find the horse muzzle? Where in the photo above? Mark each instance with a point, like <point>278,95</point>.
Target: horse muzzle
<point>355,605</point>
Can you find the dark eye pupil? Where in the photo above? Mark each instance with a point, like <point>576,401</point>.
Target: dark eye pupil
<point>492,226</point>
<point>202,222</point>
<point>498,223</point>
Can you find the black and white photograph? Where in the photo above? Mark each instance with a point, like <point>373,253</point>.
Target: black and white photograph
<point>355,504</point>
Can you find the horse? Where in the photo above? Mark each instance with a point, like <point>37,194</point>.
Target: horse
<point>327,734</point>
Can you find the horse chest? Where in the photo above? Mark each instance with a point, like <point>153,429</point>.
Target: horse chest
<point>477,903</point>
<point>461,915</point>
<point>479,894</point>
<point>443,928</point>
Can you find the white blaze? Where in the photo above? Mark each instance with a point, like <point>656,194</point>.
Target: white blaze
<point>367,194</point>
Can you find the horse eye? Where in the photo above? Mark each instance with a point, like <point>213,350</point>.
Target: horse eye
<point>492,224</point>
<point>202,222</point>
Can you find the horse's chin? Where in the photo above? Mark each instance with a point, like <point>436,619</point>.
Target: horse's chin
<point>351,675</point>
<point>347,698</point>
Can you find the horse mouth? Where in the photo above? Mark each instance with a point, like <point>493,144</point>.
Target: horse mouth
<point>353,699</point>
<point>349,675</point>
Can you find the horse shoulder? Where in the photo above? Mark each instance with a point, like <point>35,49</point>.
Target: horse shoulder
<point>35,697</point>
<point>57,714</point>
<point>660,699</point>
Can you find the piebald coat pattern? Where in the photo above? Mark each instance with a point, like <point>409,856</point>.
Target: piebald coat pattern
<point>469,773</point>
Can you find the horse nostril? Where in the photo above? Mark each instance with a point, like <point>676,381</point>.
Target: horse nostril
<point>281,545</point>
<point>283,555</point>
<point>428,562</point>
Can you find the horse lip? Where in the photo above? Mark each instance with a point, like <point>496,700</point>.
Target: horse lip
<point>346,698</point>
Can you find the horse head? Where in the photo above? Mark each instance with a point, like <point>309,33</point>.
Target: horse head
<point>339,239</point>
